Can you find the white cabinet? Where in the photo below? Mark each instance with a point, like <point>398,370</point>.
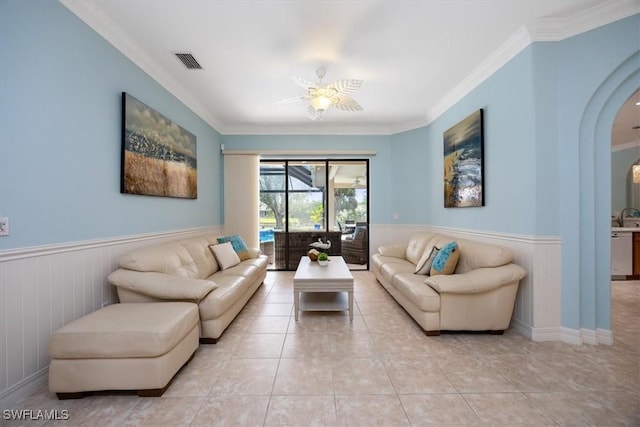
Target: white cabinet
<point>621,253</point>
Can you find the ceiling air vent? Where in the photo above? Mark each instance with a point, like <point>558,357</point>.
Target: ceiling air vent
<point>189,61</point>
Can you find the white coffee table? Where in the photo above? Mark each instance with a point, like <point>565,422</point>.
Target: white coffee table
<point>317,288</point>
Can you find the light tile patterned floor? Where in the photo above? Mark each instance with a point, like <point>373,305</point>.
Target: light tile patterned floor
<point>380,369</point>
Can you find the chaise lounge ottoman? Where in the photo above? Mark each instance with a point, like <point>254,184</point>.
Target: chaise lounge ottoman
<point>130,346</point>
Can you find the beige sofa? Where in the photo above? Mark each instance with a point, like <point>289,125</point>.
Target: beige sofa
<point>186,270</point>
<point>479,296</point>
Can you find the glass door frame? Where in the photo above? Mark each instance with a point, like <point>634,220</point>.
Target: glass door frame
<point>329,217</point>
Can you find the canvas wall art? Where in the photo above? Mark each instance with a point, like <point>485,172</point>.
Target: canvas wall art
<point>158,156</point>
<point>464,163</point>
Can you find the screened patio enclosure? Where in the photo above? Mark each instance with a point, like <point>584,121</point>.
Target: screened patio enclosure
<point>307,201</point>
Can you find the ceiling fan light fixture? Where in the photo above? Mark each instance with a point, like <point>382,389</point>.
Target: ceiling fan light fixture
<point>320,102</point>
<point>322,97</point>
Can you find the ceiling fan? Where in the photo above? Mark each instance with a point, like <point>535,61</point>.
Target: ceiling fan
<point>321,96</point>
<point>357,181</point>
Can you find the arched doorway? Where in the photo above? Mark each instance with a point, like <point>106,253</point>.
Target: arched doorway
<point>595,192</point>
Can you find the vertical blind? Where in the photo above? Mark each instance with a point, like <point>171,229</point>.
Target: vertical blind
<point>242,197</point>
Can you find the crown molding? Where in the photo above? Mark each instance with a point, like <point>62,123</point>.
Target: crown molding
<point>322,128</point>
<point>91,15</point>
<point>556,29</point>
<point>313,128</point>
<point>514,45</point>
<point>303,153</point>
<point>546,29</point>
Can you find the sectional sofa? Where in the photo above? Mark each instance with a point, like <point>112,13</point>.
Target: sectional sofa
<point>187,270</point>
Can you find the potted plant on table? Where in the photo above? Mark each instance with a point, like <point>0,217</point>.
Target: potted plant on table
<point>323,259</point>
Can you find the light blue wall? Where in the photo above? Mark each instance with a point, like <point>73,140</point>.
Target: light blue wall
<point>621,162</point>
<point>60,116</point>
<point>597,72</point>
<point>509,150</point>
<point>379,172</point>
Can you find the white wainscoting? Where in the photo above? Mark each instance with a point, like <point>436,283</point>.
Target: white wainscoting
<point>43,288</point>
<point>537,313</point>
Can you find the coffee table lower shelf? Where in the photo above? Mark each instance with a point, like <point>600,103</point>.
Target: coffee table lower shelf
<point>324,301</point>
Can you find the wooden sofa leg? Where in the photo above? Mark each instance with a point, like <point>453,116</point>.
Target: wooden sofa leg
<point>432,333</point>
<point>65,396</point>
<point>153,392</point>
<point>500,332</point>
<point>208,340</point>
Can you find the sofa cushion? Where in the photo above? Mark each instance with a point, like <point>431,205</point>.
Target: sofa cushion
<point>390,269</point>
<point>424,265</point>
<point>393,251</point>
<point>198,248</point>
<point>446,260</point>
<point>230,289</point>
<point>170,258</point>
<point>225,255</point>
<point>246,269</point>
<point>416,246</point>
<point>259,261</point>
<point>238,245</point>
<point>412,287</point>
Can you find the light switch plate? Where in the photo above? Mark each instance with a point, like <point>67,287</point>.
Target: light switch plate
<point>4,226</point>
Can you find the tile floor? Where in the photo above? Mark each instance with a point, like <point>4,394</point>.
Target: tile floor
<point>380,369</point>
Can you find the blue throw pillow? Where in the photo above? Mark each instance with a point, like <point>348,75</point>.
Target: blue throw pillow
<point>446,260</point>
<point>238,245</point>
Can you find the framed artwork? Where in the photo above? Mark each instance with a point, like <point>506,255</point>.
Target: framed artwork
<point>464,163</point>
<point>158,156</point>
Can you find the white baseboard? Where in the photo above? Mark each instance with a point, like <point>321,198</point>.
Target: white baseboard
<point>605,336</point>
<point>12,396</point>
<point>521,328</point>
<point>573,336</point>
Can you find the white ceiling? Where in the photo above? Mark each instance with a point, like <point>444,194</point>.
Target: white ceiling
<point>416,58</point>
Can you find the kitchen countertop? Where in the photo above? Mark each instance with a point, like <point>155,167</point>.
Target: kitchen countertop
<point>620,229</point>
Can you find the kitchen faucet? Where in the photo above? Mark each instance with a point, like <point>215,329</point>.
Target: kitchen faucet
<point>621,217</point>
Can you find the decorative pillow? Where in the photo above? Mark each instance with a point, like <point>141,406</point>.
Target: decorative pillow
<point>446,260</point>
<point>424,265</point>
<point>225,255</point>
<point>238,245</point>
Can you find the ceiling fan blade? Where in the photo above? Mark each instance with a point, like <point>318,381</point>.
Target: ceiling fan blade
<point>346,103</point>
<point>346,86</point>
<point>303,83</point>
<point>293,99</point>
<point>313,114</point>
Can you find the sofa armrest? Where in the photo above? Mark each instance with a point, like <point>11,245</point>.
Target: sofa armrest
<point>476,281</point>
<point>396,251</point>
<point>160,285</point>
<point>254,252</point>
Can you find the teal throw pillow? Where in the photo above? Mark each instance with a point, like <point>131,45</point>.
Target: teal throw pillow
<point>446,260</point>
<point>238,244</point>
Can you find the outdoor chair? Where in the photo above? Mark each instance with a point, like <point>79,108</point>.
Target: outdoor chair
<point>356,250</point>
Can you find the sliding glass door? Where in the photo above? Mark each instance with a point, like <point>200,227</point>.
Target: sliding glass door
<point>308,201</point>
